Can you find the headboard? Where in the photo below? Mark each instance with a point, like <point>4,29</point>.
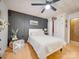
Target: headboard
<point>36,31</point>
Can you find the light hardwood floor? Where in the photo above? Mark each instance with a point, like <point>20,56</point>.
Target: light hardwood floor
<point>71,51</point>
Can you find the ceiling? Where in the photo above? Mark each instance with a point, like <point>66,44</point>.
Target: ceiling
<point>24,6</point>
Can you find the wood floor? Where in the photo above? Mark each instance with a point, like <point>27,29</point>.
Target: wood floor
<point>71,51</point>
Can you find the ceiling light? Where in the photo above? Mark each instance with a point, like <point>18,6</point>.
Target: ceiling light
<point>47,6</point>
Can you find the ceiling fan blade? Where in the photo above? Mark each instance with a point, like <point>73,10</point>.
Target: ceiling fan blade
<point>38,4</point>
<point>53,8</point>
<point>47,1</point>
<point>43,10</point>
<point>53,1</point>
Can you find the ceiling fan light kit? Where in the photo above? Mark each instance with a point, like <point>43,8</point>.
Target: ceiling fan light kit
<point>47,5</point>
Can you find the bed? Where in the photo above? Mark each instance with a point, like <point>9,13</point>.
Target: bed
<point>44,45</point>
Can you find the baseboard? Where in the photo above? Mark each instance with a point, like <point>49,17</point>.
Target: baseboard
<point>75,42</point>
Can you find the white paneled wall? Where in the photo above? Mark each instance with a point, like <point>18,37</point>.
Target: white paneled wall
<point>50,26</point>
<point>4,33</point>
<point>59,26</point>
<point>60,29</point>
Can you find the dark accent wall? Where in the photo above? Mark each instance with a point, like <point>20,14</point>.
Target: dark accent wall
<point>22,22</point>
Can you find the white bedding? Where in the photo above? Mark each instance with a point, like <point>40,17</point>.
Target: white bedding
<point>45,45</point>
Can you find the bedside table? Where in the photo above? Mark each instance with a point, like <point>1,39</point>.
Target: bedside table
<point>46,33</point>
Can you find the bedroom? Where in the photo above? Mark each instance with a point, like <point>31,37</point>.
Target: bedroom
<point>20,18</point>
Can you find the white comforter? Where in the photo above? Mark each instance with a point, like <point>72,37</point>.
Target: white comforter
<point>45,45</point>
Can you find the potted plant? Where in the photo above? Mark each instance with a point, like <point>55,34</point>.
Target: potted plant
<point>14,36</point>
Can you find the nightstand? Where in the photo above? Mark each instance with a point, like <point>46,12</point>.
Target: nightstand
<point>46,33</point>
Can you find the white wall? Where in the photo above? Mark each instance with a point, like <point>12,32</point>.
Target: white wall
<point>74,15</point>
<point>59,26</point>
<point>50,26</point>
<point>4,33</point>
<point>60,29</point>
<point>71,16</point>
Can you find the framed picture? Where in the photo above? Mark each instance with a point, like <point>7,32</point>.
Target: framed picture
<point>33,22</point>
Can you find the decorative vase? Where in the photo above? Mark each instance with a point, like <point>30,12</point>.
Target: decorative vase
<point>14,37</point>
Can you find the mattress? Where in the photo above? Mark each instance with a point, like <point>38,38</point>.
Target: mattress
<point>45,45</point>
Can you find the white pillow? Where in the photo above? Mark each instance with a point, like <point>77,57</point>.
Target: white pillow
<point>37,33</point>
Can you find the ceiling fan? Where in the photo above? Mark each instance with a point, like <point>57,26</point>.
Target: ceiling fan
<point>47,5</point>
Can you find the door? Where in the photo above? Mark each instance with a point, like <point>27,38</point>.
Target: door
<point>74,29</point>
